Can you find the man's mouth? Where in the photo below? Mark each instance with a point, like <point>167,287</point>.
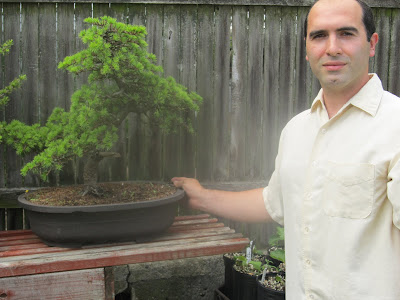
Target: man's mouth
<point>333,66</point>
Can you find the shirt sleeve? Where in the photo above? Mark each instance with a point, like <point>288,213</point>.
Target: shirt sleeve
<point>272,194</point>
<point>393,188</point>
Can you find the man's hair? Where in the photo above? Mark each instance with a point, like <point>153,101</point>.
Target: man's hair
<point>367,18</point>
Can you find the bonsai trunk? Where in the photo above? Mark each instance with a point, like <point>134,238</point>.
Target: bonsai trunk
<point>90,176</point>
<point>90,173</point>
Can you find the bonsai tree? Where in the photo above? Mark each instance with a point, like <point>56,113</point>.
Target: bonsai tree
<point>13,85</point>
<point>123,78</point>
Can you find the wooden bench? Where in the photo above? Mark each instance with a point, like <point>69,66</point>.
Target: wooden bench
<point>30,269</point>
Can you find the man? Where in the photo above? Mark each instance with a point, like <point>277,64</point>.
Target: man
<point>336,185</point>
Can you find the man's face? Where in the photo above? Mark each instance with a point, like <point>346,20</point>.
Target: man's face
<point>337,46</point>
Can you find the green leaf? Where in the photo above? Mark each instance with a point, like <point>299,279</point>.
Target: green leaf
<point>278,254</point>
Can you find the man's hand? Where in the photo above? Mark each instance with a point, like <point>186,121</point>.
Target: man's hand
<point>194,190</point>
<point>245,206</point>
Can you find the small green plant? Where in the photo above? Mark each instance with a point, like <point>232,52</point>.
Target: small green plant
<point>276,243</point>
<point>123,78</point>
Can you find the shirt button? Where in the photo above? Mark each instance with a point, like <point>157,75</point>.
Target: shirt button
<point>311,297</point>
<point>307,230</point>
<point>308,262</point>
<point>314,163</point>
<point>323,130</point>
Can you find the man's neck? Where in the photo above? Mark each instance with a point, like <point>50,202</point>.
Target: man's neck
<point>335,99</point>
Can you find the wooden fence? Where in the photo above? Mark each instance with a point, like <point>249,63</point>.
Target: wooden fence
<point>246,58</point>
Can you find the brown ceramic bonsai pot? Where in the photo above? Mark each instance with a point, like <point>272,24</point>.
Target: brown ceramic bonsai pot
<point>76,226</point>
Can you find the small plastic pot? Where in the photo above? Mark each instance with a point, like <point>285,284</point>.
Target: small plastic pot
<point>228,286</point>
<point>244,286</point>
<point>265,293</point>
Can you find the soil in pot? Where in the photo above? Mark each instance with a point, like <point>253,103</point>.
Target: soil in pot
<point>112,193</point>
<point>75,225</point>
<point>272,288</point>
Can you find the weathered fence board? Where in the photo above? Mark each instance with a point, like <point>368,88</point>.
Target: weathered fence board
<point>205,118</point>
<point>239,90</point>
<point>222,103</point>
<point>272,54</point>
<point>394,66</point>
<point>188,68</point>
<point>245,58</point>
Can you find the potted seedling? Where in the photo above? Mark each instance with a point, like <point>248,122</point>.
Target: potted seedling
<point>123,78</point>
<point>271,284</point>
<point>245,271</point>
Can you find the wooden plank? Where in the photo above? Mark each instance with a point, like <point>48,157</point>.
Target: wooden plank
<point>115,249</point>
<point>222,103</point>
<point>272,84</point>
<point>29,251</point>
<point>65,47</point>
<point>37,245</point>
<point>14,233</point>
<point>187,75</point>
<point>287,66</point>
<point>77,261</point>
<point>65,80</point>
<point>82,11</point>
<point>394,64</point>
<point>381,59</point>
<point>137,139</point>
<point>47,60</point>
<point>205,86</point>
<point>239,92</point>
<point>255,101</point>
<point>301,84</point>
<point>27,234</point>
<point>34,240</point>
<point>30,67</point>
<point>152,154</point>
<point>195,227</point>
<point>194,221</point>
<point>211,234</point>
<point>308,84</point>
<point>82,284</point>
<point>192,217</point>
<point>171,60</point>
<point>11,12</point>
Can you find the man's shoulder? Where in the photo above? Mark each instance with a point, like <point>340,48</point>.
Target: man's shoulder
<point>390,102</point>
<point>300,117</point>
<point>298,120</point>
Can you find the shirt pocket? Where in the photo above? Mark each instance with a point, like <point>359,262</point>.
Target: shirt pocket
<point>349,190</point>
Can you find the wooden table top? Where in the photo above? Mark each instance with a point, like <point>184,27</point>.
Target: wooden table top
<point>23,253</point>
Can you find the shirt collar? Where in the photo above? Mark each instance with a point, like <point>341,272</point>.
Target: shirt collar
<point>367,99</point>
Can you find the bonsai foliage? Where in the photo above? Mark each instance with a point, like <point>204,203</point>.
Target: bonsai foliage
<point>13,85</point>
<point>123,78</point>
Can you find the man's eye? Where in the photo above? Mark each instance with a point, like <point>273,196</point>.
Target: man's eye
<point>347,33</point>
<point>318,36</point>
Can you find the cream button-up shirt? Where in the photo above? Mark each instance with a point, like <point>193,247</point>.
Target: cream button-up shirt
<point>336,189</point>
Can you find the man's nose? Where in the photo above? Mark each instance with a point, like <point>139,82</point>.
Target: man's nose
<point>333,46</point>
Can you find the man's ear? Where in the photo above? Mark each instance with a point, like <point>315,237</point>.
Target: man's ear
<point>374,40</point>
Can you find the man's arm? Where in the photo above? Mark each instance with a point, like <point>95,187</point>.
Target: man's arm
<point>244,206</point>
